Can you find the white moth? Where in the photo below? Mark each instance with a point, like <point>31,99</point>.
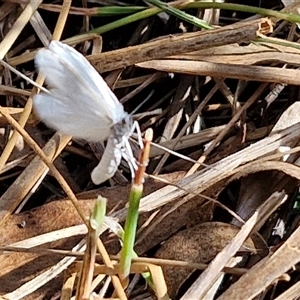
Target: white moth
<point>79,103</point>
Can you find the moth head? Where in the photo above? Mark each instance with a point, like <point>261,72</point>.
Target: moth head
<point>123,128</point>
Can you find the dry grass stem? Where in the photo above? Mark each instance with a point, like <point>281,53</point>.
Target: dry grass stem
<point>188,42</point>
<point>221,70</point>
<point>220,187</point>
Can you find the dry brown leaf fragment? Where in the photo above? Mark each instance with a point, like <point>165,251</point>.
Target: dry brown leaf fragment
<point>200,244</point>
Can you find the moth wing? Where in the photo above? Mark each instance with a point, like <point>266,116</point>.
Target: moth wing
<point>56,111</point>
<point>109,162</point>
<point>68,71</point>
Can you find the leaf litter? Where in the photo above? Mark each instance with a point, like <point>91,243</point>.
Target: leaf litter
<point>220,93</point>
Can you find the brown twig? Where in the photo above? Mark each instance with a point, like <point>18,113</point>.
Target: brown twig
<point>241,72</point>
<point>171,45</point>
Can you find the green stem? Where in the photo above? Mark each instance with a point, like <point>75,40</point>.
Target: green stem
<point>117,10</point>
<point>127,252</point>
<point>127,20</point>
<point>180,14</point>
<point>294,18</point>
<point>276,41</point>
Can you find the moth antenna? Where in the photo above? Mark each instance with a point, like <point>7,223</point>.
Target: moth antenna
<point>172,152</point>
<point>14,70</point>
<point>142,103</point>
<point>181,155</point>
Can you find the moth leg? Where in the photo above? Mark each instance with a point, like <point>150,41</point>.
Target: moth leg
<point>109,162</point>
<point>136,127</point>
<point>127,154</point>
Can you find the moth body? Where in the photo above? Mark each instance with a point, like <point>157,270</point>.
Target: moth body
<point>80,104</point>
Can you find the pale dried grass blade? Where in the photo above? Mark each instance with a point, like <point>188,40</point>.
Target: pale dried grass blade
<point>40,28</point>
<point>160,286</point>
<point>67,288</point>
<point>52,236</point>
<point>234,71</point>
<point>244,55</point>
